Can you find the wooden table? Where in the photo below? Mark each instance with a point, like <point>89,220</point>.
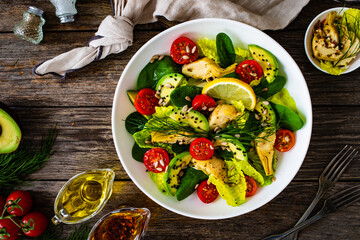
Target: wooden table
<point>81,105</point>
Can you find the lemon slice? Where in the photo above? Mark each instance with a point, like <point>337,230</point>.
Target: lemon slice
<point>231,89</point>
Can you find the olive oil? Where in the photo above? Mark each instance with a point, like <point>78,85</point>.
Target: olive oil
<point>83,196</point>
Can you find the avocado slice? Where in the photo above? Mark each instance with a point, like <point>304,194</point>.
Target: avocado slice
<point>265,113</point>
<point>167,84</point>
<point>235,146</point>
<point>10,133</point>
<point>173,176</point>
<point>193,118</point>
<point>266,60</point>
<point>132,94</point>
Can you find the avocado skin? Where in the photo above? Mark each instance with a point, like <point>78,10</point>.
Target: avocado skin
<point>6,112</point>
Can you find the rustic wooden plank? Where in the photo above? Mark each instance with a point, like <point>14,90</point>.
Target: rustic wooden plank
<point>277,216</point>
<point>85,140</point>
<point>92,12</point>
<point>95,84</point>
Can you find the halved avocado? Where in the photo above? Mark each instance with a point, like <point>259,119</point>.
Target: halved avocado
<point>10,133</point>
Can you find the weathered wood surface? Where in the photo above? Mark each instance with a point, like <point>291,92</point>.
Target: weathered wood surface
<point>81,105</point>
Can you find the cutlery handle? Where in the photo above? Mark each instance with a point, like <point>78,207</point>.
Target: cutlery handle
<point>316,199</point>
<point>302,225</point>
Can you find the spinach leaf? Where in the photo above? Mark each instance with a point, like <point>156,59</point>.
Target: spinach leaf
<point>232,75</point>
<point>177,148</point>
<point>138,153</point>
<point>135,122</point>
<point>188,182</point>
<point>273,87</point>
<point>225,50</point>
<point>288,119</point>
<point>153,72</point>
<point>224,154</point>
<point>178,95</point>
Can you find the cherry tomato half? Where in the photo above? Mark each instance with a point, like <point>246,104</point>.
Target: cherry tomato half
<point>251,186</point>
<point>34,224</point>
<point>9,230</point>
<point>285,140</point>
<point>249,70</point>
<point>19,203</point>
<point>203,102</point>
<point>201,149</point>
<point>145,101</point>
<point>183,50</point>
<point>156,160</point>
<point>207,192</point>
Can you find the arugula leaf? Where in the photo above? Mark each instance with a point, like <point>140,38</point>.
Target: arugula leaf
<point>288,119</point>
<point>153,72</point>
<point>273,87</point>
<point>225,50</point>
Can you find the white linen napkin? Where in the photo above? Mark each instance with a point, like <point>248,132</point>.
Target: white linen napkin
<point>115,33</point>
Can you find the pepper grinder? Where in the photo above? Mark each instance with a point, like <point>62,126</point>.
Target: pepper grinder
<point>65,10</point>
<point>30,27</point>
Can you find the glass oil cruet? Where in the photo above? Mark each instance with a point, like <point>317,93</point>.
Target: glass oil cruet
<point>30,27</point>
<point>83,196</point>
<point>65,10</point>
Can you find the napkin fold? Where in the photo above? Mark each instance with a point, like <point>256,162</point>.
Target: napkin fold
<point>115,33</point>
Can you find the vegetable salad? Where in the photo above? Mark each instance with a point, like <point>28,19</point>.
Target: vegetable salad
<point>211,118</point>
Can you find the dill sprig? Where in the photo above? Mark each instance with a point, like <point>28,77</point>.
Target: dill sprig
<point>168,126</point>
<point>349,30</point>
<point>81,233</point>
<point>16,166</point>
<point>238,130</point>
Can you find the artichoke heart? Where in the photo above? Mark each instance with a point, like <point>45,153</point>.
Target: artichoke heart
<point>206,69</point>
<point>214,166</point>
<point>265,149</point>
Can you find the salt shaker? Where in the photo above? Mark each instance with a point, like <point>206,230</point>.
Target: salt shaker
<point>65,10</point>
<point>30,27</point>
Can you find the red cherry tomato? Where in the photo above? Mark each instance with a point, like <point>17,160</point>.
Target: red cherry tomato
<point>2,203</point>
<point>251,186</point>
<point>207,192</point>
<point>145,101</point>
<point>201,149</point>
<point>18,199</point>
<point>249,70</point>
<point>203,102</point>
<point>285,140</point>
<point>9,230</point>
<point>34,224</point>
<point>183,50</point>
<point>156,160</point>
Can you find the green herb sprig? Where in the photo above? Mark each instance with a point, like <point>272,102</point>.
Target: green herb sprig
<point>349,31</point>
<point>16,166</point>
<point>168,126</point>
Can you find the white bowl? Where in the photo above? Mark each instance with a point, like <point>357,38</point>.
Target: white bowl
<point>353,65</point>
<point>242,35</point>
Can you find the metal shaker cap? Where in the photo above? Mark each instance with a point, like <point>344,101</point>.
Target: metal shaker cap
<point>35,10</point>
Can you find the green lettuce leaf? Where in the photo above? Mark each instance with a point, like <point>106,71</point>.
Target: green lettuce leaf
<point>250,171</point>
<point>234,191</point>
<point>329,67</point>
<point>161,112</point>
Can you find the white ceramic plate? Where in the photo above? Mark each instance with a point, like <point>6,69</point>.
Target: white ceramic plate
<point>241,35</point>
<point>353,65</point>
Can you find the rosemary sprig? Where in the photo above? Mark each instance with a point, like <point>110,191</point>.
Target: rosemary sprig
<point>16,166</point>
